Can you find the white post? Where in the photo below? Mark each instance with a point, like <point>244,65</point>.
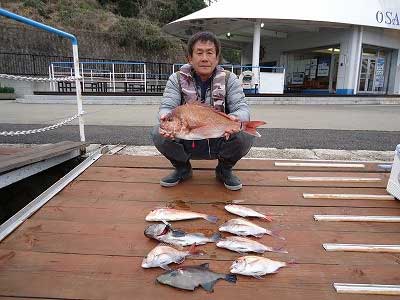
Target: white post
<point>52,76</point>
<point>145,78</point>
<point>113,77</point>
<point>256,51</point>
<point>83,78</point>
<point>78,93</point>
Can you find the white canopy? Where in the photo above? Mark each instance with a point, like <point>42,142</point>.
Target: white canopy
<point>281,17</point>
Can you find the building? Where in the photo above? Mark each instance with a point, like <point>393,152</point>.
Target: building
<point>342,47</point>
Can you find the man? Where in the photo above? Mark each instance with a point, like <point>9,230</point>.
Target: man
<point>204,81</point>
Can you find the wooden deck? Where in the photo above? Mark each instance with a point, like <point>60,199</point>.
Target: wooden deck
<point>88,242</point>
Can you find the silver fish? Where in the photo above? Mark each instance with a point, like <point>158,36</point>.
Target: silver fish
<point>243,227</point>
<point>256,266</point>
<point>188,278</point>
<point>162,256</point>
<point>170,214</point>
<point>243,245</point>
<point>244,211</point>
<point>166,234</point>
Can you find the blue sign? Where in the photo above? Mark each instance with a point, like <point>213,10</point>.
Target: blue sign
<point>380,72</point>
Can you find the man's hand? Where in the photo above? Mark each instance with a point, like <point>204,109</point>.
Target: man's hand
<point>163,132</point>
<point>228,132</point>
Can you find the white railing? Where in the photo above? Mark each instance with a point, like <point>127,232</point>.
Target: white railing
<point>271,80</point>
<point>103,76</point>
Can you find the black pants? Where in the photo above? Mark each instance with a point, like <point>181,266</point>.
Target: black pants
<point>229,151</point>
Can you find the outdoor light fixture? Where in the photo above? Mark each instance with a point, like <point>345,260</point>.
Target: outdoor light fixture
<point>228,35</point>
<point>262,25</point>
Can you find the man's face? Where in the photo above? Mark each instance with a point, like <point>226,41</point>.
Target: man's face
<point>204,58</point>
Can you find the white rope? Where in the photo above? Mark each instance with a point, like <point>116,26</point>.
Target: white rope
<point>40,79</point>
<point>38,130</point>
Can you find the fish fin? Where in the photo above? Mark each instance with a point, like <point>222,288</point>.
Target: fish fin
<point>260,235</point>
<point>165,267</point>
<point>180,260</point>
<point>257,276</point>
<point>216,237</point>
<point>250,127</point>
<point>212,219</point>
<point>205,266</point>
<point>178,233</point>
<point>237,201</point>
<point>208,286</point>
<point>230,278</point>
<point>279,250</point>
<point>194,251</point>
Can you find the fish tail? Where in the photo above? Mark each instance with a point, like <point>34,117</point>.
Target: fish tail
<point>194,251</point>
<point>275,234</point>
<point>230,278</point>
<point>212,219</point>
<point>267,218</point>
<point>251,126</point>
<point>216,237</point>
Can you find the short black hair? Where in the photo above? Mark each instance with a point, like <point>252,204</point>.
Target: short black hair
<point>203,36</point>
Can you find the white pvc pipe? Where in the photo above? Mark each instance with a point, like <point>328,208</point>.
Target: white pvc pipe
<point>78,93</point>
<point>256,51</point>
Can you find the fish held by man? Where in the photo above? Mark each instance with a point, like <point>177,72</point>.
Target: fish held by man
<point>163,255</point>
<point>244,211</point>
<point>256,266</point>
<point>243,227</point>
<point>195,121</point>
<point>166,234</point>
<point>244,245</point>
<point>170,214</point>
<point>190,277</point>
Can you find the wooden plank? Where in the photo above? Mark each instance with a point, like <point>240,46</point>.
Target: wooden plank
<point>362,248</point>
<point>347,196</point>
<point>129,161</point>
<point>97,238</point>
<point>333,179</point>
<point>370,289</point>
<point>249,178</point>
<point>216,193</point>
<point>36,154</point>
<point>116,277</point>
<point>319,165</point>
<point>347,218</point>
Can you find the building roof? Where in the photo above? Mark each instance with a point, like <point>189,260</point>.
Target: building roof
<point>286,16</point>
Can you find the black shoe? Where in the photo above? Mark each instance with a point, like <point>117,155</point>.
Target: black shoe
<point>182,172</point>
<point>225,175</point>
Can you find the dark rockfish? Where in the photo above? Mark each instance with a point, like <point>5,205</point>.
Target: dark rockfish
<point>188,278</point>
<point>195,121</point>
<point>166,234</point>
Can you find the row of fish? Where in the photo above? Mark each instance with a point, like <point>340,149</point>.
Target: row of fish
<point>191,277</point>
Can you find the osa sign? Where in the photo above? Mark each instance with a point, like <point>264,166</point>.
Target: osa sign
<point>387,17</point>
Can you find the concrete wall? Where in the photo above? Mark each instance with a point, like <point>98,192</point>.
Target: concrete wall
<point>23,88</point>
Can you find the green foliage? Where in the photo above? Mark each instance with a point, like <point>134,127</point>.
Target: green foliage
<point>39,5</point>
<point>140,32</point>
<point>6,90</point>
<point>185,7</point>
<point>232,56</point>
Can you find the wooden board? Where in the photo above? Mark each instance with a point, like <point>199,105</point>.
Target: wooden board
<point>23,158</point>
<point>88,242</point>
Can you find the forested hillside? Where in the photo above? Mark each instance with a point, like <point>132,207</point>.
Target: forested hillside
<point>130,29</point>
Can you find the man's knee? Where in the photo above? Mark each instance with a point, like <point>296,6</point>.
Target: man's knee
<point>237,146</point>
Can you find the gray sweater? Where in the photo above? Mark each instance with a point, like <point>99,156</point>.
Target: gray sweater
<point>235,99</point>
